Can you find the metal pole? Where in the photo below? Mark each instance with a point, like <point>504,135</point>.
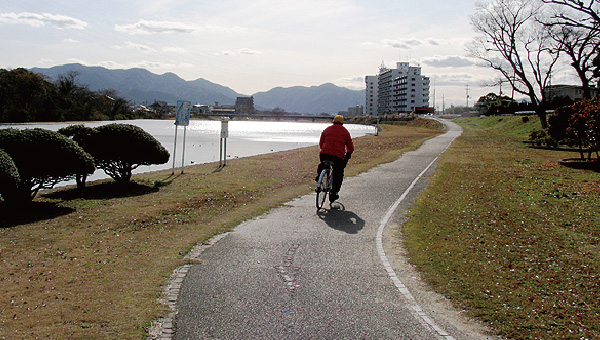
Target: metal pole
<point>225,152</point>
<point>174,150</point>
<point>183,151</point>
<point>220,152</point>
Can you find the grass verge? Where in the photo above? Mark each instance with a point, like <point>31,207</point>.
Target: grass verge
<point>510,235</point>
<point>92,266</point>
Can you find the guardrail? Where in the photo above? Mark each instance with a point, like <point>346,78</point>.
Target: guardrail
<point>270,117</point>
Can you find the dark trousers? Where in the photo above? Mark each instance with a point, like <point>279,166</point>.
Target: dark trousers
<point>338,170</point>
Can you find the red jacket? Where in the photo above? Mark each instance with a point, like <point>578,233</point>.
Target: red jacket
<point>336,141</point>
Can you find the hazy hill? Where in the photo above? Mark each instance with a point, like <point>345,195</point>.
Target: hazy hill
<point>144,87</point>
<point>315,99</point>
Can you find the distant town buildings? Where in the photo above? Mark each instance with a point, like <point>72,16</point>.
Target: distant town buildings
<point>400,90</point>
<point>222,109</point>
<point>244,105</point>
<point>571,91</point>
<point>354,111</point>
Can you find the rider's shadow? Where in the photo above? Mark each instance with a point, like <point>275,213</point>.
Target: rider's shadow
<point>340,219</point>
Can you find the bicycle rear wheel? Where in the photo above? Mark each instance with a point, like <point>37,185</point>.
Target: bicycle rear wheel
<point>322,189</point>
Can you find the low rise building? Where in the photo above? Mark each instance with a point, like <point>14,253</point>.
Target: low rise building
<point>571,91</point>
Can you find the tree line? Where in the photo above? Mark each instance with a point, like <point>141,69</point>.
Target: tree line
<point>29,97</point>
<point>493,104</point>
<point>524,40</point>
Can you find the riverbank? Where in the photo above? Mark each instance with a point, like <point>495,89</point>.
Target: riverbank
<point>92,266</point>
<point>515,242</point>
<point>202,139</point>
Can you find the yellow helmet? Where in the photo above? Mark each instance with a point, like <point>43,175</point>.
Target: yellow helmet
<point>338,119</point>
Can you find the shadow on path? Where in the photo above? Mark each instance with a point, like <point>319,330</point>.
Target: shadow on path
<point>341,219</point>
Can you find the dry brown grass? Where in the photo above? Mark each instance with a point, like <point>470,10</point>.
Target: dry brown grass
<point>92,266</point>
<point>516,239</point>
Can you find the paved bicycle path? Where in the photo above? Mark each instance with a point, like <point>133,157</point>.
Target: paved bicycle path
<point>297,274</point>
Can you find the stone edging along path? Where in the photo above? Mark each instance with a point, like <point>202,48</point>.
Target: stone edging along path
<point>163,329</point>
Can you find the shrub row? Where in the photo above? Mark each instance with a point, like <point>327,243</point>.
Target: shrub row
<point>579,124</point>
<point>35,159</point>
<point>575,125</point>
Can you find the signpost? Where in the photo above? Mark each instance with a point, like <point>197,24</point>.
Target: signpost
<point>182,118</point>
<point>223,143</point>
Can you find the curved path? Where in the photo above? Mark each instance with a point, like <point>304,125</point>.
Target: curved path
<point>297,274</point>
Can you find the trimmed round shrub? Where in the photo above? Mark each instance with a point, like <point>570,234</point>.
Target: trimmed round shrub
<point>118,149</point>
<point>43,159</point>
<point>83,136</point>
<point>9,175</point>
<point>79,133</point>
<point>578,124</point>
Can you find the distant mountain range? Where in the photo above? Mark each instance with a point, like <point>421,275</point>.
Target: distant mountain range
<point>144,87</point>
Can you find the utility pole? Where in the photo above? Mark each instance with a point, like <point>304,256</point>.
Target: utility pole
<point>467,97</point>
<point>443,104</point>
<point>433,95</point>
<point>512,84</point>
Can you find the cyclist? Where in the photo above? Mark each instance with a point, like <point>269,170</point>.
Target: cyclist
<point>336,146</point>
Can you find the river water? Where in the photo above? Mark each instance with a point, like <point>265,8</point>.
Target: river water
<point>202,139</point>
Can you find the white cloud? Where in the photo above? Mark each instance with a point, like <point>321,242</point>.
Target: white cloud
<point>150,27</point>
<point>146,64</point>
<point>351,82</point>
<point>452,79</point>
<point>407,44</point>
<point>221,29</point>
<point>249,51</point>
<point>178,50</point>
<point>75,61</point>
<point>38,20</point>
<point>70,41</point>
<point>241,51</point>
<point>139,47</point>
<point>449,61</point>
<point>45,61</point>
<point>404,44</point>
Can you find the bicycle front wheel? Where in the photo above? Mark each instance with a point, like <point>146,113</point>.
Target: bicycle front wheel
<point>322,189</point>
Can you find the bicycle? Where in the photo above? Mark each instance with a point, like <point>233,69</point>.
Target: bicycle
<point>324,183</point>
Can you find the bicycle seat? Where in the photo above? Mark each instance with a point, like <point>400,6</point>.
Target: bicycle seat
<point>327,163</point>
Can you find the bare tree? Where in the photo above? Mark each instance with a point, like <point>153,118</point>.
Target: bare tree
<point>589,8</point>
<point>575,26</point>
<point>514,43</point>
<point>581,46</point>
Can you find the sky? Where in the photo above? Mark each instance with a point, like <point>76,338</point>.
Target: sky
<point>253,46</point>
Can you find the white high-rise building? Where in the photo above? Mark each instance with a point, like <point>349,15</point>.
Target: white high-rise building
<point>372,83</point>
<point>400,90</point>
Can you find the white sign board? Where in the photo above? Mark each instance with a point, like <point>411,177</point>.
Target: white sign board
<point>224,129</point>
<point>182,117</point>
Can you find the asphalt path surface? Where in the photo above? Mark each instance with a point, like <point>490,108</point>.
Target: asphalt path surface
<point>295,273</point>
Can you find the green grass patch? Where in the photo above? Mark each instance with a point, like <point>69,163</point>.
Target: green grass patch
<point>510,235</point>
